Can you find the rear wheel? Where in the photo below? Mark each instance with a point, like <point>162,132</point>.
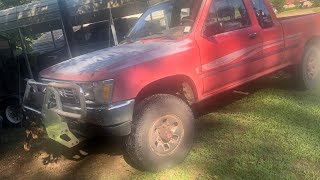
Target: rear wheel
<point>162,133</point>
<point>309,70</point>
<point>11,112</point>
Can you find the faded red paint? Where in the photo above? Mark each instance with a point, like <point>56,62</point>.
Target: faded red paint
<point>216,65</point>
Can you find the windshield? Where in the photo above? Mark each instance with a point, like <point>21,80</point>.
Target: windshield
<point>171,18</point>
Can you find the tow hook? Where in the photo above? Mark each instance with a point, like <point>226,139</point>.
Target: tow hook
<point>53,126</point>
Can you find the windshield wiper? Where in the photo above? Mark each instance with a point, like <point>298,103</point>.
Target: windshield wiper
<point>158,33</point>
<point>128,39</point>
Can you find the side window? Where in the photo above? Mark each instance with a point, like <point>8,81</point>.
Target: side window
<point>262,13</point>
<point>158,21</point>
<point>225,16</point>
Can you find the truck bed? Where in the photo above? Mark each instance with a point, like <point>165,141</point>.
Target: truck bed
<point>297,31</point>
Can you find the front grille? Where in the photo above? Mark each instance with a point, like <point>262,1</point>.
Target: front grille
<point>67,95</point>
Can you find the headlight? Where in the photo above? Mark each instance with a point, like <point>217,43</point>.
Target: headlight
<point>99,92</point>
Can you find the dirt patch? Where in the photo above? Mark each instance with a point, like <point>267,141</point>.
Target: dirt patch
<point>49,159</point>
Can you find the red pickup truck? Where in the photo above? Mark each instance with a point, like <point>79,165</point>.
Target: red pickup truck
<point>178,54</point>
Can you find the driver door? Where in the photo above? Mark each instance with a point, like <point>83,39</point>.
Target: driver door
<point>229,43</point>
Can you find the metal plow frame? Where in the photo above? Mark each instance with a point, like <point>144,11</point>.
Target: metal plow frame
<point>53,117</point>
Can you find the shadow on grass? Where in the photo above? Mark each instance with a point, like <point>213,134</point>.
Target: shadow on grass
<point>280,80</point>
<point>273,134</point>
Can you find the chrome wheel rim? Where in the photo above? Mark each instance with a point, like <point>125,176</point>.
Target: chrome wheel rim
<point>13,114</point>
<point>165,135</point>
<point>312,67</point>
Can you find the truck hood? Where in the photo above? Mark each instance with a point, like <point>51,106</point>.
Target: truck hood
<point>110,60</point>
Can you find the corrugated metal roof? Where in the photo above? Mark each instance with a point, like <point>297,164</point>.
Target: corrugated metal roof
<point>80,11</point>
<point>29,14</point>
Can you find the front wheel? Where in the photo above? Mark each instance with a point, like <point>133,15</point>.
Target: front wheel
<point>162,133</point>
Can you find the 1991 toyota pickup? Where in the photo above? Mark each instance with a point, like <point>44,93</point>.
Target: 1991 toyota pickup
<point>178,53</point>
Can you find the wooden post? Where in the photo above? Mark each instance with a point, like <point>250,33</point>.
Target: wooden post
<point>65,23</point>
<point>113,29</point>
<point>24,49</point>
<point>66,40</point>
<point>53,40</point>
<point>1,119</point>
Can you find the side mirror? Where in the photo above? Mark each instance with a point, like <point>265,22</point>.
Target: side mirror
<point>213,29</point>
<point>267,24</point>
<point>208,31</point>
<point>265,21</point>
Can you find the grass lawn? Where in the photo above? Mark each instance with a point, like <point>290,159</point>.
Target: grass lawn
<point>295,12</point>
<point>272,134</point>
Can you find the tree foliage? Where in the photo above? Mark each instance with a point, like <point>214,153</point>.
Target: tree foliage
<point>297,4</point>
<point>278,4</point>
<point>13,35</point>
<point>4,4</point>
<point>315,3</point>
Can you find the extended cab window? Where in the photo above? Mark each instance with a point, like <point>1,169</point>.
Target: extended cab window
<point>167,19</point>
<point>225,16</point>
<point>262,13</point>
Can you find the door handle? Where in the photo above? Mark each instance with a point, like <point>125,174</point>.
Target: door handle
<point>253,35</point>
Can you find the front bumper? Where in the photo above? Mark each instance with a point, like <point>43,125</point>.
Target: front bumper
<point>80,119</point>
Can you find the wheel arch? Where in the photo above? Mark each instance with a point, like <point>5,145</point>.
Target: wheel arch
<point>179,85</point>
<point>314,40</point>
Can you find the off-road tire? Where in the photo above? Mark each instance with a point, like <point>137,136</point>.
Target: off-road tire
<point>138,144</point>
<point>13,102</point>
<point>301,76</point>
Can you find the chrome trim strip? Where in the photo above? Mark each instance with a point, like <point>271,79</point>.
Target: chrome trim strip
<point>68,81</point>
<point>251,50</point>
<point>126,103</point>
<point>32,109</point>
<point>293,35</point>
<point>243,62</point>
<point>111,107</point>
<point>228,58</point>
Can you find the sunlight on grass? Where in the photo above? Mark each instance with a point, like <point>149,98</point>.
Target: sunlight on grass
<point>296,12</point>
<point>273,134</point>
